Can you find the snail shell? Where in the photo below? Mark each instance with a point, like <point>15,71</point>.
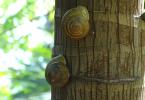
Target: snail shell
<point>75,22</point>
<point>56,72</point>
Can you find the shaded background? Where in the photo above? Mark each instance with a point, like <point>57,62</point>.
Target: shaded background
<point>26,39</point>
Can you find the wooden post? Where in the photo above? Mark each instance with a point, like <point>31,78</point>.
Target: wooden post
<point>109,63</point>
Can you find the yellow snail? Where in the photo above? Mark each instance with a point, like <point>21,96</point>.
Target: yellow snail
<point>75,22</point>
<point>56,72</point>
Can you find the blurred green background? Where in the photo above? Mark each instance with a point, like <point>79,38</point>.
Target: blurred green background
<point>26,40</point>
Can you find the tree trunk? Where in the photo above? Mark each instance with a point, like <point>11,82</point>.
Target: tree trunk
<point>109,63</point>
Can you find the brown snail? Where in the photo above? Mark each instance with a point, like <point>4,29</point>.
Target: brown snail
<point>56,72</point>
<point>75,22</point>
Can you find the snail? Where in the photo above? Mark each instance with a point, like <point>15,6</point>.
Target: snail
<point>75,22</point>
<point>143,16</point>
<point>56,73</point>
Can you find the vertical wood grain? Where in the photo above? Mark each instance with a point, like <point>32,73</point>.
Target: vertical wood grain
<point>113,51</point>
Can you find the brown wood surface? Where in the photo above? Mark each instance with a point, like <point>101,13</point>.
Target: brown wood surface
<point>109,63</point>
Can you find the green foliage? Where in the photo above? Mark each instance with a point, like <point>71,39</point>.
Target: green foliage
<point>20,22</point>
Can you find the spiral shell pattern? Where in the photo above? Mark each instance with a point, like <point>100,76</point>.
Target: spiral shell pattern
<point>75,22</point>
<point>57,73</point>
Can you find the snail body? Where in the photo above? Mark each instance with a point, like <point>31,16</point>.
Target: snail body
<point>75,22</point>
<point>56,72</point>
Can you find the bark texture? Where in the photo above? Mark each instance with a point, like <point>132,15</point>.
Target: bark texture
<point>109,63</point>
